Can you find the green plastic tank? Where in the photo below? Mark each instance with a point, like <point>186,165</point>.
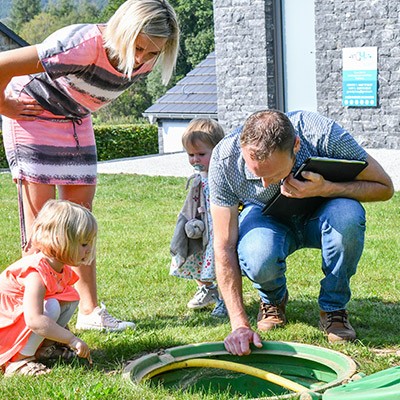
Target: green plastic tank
<point>383,385</point>
<point>314,368</point>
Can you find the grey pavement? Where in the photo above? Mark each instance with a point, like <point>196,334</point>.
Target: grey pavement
<point>176,164</point>
<point>172,164</point>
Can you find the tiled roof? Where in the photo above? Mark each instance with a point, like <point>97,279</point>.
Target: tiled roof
<point>12,35</point>
<point>193,96</point>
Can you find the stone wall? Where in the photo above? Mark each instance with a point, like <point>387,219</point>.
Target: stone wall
<point>9,40</point>
<point>369,23</point>
<point>246,74</point>
<point>244,58</point>
<point>7,43</point>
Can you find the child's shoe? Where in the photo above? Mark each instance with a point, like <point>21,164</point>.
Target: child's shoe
<point>204,296</point>
<point>220,310</point>
<point>101,320</point>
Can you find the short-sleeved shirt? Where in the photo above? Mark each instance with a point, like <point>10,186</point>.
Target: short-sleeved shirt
<point>231,182</point>
<point>78,78</point>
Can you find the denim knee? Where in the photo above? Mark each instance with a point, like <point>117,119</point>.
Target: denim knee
<point>262,246</point>
<point>260,259</point>
<point>262,272</point>
<point>347,218</point>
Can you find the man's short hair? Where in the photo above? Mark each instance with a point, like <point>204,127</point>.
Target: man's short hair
<point>267,131</point>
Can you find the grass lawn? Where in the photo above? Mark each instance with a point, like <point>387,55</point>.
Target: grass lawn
<point>136,217</point>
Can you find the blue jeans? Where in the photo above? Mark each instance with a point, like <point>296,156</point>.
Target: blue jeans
<point>264,243</point>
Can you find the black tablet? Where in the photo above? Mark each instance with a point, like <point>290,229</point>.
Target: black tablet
<point>334,170</point>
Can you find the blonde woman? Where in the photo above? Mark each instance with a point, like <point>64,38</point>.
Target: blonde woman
<point>37,297</point>
<point>47,94</point>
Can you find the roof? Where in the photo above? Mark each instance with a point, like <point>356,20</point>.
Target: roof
<point>193,96</point>
<point>12,35</point>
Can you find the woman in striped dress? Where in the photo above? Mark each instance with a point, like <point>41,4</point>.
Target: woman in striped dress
<point>47,94</point>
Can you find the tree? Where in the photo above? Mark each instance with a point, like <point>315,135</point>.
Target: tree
<point>127,108</point>
<point>110,9</point>
<point>154,86</point>
<point>56,16</point>
<point>22,11</point>
<point>38,28</point>
<point>196,20</point>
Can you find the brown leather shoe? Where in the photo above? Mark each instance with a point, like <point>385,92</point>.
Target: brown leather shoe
<point>272,316</point>
<point>337,326</point>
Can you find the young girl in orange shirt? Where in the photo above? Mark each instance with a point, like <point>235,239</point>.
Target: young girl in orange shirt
<point>37,297</point>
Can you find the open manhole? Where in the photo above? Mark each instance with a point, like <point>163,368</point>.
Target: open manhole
<point>277,370</point>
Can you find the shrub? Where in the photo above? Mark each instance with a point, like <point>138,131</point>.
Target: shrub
<point>119,141</point>
<point>116,141</point>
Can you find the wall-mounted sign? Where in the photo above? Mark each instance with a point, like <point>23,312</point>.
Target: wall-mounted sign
<point>360,77</point>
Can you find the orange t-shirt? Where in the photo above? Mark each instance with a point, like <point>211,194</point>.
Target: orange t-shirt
<point>13,331</point>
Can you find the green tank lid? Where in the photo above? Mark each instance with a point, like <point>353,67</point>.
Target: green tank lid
<point>383,385</point>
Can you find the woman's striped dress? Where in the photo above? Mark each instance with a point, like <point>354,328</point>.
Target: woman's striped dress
<point>59,147</point>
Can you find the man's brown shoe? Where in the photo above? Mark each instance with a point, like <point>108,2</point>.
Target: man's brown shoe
<point>337,326</point>
<point>272,316</point>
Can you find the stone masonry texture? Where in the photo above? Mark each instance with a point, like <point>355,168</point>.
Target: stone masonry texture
<point>246,65</point>
<point>356,23</point>
<point>243,45</point>
<point>6,43</point>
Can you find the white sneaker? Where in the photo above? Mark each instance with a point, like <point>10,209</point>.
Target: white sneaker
<point>101,320</point>
<point>204,296</point>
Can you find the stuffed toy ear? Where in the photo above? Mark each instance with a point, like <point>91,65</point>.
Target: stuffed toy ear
<point>194,228</point>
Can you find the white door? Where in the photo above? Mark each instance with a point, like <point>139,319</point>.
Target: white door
<point>298,26</point>
<point>172,135</point>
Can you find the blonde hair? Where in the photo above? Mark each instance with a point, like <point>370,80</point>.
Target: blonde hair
<point>61,227</point>
<point>151,17</point>
<point>205,130</point>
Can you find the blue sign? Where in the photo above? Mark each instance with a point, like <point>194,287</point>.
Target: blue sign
<point>360,77</point>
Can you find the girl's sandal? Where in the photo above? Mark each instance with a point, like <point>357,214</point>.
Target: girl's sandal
<point>55,352</point>
<point>28,367</point>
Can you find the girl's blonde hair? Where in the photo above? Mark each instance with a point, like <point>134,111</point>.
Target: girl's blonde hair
<point>205,130</point>
<point>152,17</point>
<point>61,227</point>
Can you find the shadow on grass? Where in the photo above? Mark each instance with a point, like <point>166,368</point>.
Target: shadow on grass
<point>193,319</point>
<point>375,322</point>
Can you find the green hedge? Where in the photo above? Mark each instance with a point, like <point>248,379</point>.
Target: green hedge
<point>119,141</point>
<point>116,141</point>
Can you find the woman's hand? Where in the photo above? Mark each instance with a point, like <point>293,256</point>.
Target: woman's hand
<point>20,109</point>
<point>18,62</point>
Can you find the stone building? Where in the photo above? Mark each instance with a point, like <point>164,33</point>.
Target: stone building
<point>269,52</point>
<point>9,39</point>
